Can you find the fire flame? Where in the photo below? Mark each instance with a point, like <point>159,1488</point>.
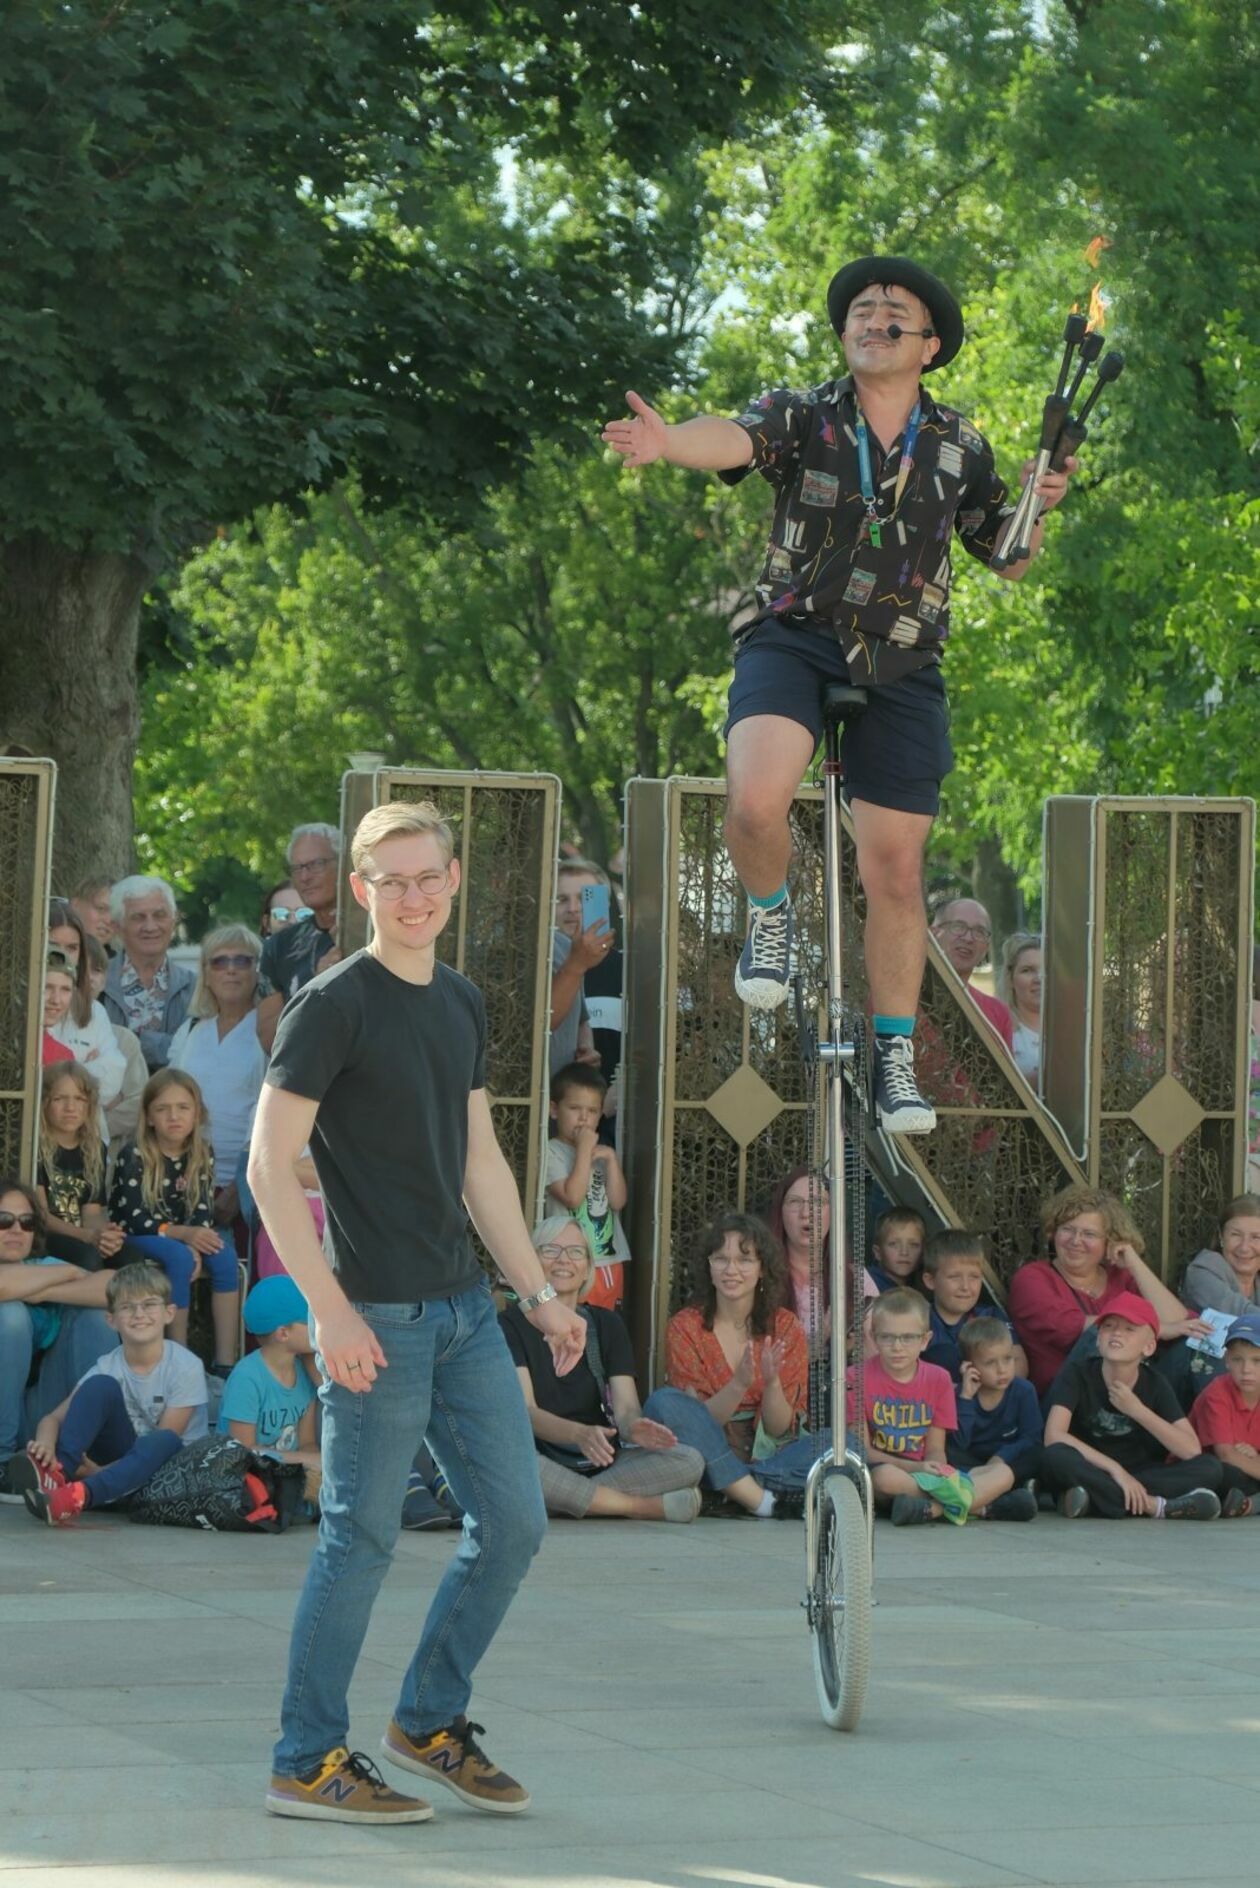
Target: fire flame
<point>1098,303</point>
<point>1095,248</point>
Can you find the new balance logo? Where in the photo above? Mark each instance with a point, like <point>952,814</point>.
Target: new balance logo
<point>448,1759</point>
<point>338,1789</point>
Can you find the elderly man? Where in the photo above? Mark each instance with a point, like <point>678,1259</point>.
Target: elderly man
<point>964,931</point>
<point>873,479</point>
<point>145,990</point>
<point>293,955</point>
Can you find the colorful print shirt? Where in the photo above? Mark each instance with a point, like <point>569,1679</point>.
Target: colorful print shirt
<point>145,1004</point>
<point>889,606</point>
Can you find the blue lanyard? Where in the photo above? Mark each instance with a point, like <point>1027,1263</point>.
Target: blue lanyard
<point>904,469</point>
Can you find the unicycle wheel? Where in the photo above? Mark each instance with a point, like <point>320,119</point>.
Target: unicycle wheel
<point>840,1603</point>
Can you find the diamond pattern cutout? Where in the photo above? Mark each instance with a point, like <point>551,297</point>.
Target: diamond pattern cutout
<point>744,1105</point>
<point>1168,1114</point>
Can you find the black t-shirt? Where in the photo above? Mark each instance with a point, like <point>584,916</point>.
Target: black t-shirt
<point>129,1209</point>
<point>574,1397</point>
<point>392,1065</point>
<point>602,988</point>
<point>290,955</point>
<point>1080,1387</point>
<point>67,1186</point>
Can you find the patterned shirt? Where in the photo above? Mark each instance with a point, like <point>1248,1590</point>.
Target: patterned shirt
<point>888,605</point>
<point>145,1004</point>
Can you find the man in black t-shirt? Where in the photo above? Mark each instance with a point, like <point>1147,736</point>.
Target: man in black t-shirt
<point>1112,1424</point>
<point>379,1064</point>
<point>872,479</point>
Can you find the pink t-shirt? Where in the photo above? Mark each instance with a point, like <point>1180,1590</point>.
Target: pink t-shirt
<point>899,1415</point>
<point>997,1013</point>
<point>1050,1314</point>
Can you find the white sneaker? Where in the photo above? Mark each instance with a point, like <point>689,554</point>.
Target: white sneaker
<point>765,963</point>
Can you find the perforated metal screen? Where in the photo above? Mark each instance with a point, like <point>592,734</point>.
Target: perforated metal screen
<point>26,810</point>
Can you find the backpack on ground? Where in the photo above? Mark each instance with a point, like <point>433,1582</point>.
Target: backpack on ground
<point>218,1484</point>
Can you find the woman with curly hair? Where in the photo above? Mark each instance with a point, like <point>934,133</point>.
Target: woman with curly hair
<point>738,1368</point>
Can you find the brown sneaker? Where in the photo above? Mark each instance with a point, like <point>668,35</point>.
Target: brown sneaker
<point>346,1787</point>
<point>453,1758</point>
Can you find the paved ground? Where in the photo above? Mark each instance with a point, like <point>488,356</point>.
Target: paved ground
<point>1066,1703</point>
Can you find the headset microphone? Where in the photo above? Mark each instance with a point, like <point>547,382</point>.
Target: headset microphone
<point>895,332</point>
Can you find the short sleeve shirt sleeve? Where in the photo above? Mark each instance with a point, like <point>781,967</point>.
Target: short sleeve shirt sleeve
<point>777,423</point>
<point>983,506</point>
<point>615,1348</point>
<point>313,1041</point>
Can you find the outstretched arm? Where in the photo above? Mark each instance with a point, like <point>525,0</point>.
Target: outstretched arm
<point>707,444</point>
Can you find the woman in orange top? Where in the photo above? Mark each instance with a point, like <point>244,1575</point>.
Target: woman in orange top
<point>737,1358</point>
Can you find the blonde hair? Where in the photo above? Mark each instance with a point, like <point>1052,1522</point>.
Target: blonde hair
<point>394,819</point>
<point>545,1234</point>
<point>90,1144</point>
<point>902,1303</point>
<point>1071,1202</point>
<point>199,1173</point>
<point>203,1002</point>
<point>1015,945</point>
<point>141,1279</point>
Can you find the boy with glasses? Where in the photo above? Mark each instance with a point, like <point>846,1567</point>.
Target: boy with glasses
<point>135,1407</point>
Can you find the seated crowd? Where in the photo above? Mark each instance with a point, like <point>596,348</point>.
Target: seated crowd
<point>1093,1387</point>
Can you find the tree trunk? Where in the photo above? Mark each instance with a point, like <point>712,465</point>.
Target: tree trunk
<point>995,885</point>
<point>68,628</point>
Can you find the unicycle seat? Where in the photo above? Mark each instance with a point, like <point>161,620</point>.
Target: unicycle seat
<point>842,702</point>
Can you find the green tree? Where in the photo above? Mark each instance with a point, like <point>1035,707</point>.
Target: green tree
<point>248,247</point>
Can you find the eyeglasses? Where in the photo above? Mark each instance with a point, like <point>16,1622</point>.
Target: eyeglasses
<point>394,887</point>
<point>9,1220</point>
<point>899,1340</point>
<point>280,914</point>
<point>140,1307</point>
<point>957,929</point>
<point>235,960</point>
<point>746,1260</point>
<point>314,865</point>
<point>563,1252</point>
<point>1076,1236</point>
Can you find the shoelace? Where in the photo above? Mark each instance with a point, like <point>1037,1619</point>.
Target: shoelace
<point>898,1066</point>
<point>468,1739</point>
<point>770,938</point>
<point>364,1769</point>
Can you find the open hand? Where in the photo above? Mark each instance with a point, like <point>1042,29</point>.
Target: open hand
<point>349,1349</point>
<point>772,1355</point>
<point>203,1239</point>
<point>1135,1496</point>
<point>596,1444</point>
<point>745,1370</point>
<point>646,1434</point>
<point>640,440</point>
<point>564,1331</point>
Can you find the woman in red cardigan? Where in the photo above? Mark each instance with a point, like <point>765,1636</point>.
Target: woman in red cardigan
<point>1095,1253</point>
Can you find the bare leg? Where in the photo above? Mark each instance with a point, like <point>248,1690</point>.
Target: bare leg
<point>747,1492</point>
<point>610,1501</point>
<point>890,860</point>
<point>225,1312</point>
<point>766,757</point>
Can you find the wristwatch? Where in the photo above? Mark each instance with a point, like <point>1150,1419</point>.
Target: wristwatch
<point>543,1297</point>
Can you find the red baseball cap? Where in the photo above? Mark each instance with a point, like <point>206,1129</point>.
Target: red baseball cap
<point>1132,1309</point>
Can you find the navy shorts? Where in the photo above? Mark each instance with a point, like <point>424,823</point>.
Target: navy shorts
<point>895,754</point>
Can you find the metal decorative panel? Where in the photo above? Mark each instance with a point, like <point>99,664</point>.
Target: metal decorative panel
<point>506,828</point>
<point>715,1109</point>
<point>26,811</point>
<point>1149,907</point>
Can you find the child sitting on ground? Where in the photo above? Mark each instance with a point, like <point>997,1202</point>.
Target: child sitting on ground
<point>163,1198</point>
<point>1112,1424</point>
<point>584,1177</point>
<point>134,1408</point>
<point>953,1277</point>
<point>909,1408</point>
<point>1226,1417</point>
<point>896,1247</point>
<point>999,1417</point>
<point>269,1400</point>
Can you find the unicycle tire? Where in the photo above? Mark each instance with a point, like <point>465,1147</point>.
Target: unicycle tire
<point>841,1603</point>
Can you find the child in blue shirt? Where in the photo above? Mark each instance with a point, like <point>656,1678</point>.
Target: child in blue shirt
<point>999,1416</point>
<point>269,1400</point>
<point>953,1277</point>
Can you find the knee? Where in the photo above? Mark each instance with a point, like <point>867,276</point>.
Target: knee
<point>892,873</point>
<point>15,1330</point>
<point>689,1462</point>
<point>221,1266</point>
<point>753,810</point>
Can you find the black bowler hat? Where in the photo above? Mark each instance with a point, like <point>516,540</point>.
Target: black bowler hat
<point>848,283</point>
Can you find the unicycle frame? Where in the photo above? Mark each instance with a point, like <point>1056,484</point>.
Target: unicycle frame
<point>833,1054</point>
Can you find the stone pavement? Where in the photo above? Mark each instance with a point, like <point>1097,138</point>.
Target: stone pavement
<point>1059,1702</point>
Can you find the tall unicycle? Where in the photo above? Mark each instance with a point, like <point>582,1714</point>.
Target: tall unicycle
<point>838,1502</point>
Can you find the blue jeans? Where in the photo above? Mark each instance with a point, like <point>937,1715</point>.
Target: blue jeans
<point>97,1424</point>
<point>178,1261</point>
<point>450,1382</point>
<point>84,1336</point>
<point>691,1422</point>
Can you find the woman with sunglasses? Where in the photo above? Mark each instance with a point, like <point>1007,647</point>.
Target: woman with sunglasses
<point>48,1310</point>
<point>218,1044</point>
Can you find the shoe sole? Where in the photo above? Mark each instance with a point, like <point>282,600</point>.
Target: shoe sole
<point>762,993</point>
<point>317,1812</point>
<point>29,1489</point>
<point>403,1761</point>
<point>907,1120</point>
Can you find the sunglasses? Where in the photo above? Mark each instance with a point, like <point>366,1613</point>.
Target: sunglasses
<point>280,914</point>
<point>236,960</point>
<point>9,1220</point>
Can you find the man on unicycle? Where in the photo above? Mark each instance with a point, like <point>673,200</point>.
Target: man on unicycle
<point>871,478</point>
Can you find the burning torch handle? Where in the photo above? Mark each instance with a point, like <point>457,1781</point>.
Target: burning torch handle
<point>1017,544</point>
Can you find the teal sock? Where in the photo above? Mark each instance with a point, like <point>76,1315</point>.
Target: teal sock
<point>894,1025</point>
<point>772,902</point>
